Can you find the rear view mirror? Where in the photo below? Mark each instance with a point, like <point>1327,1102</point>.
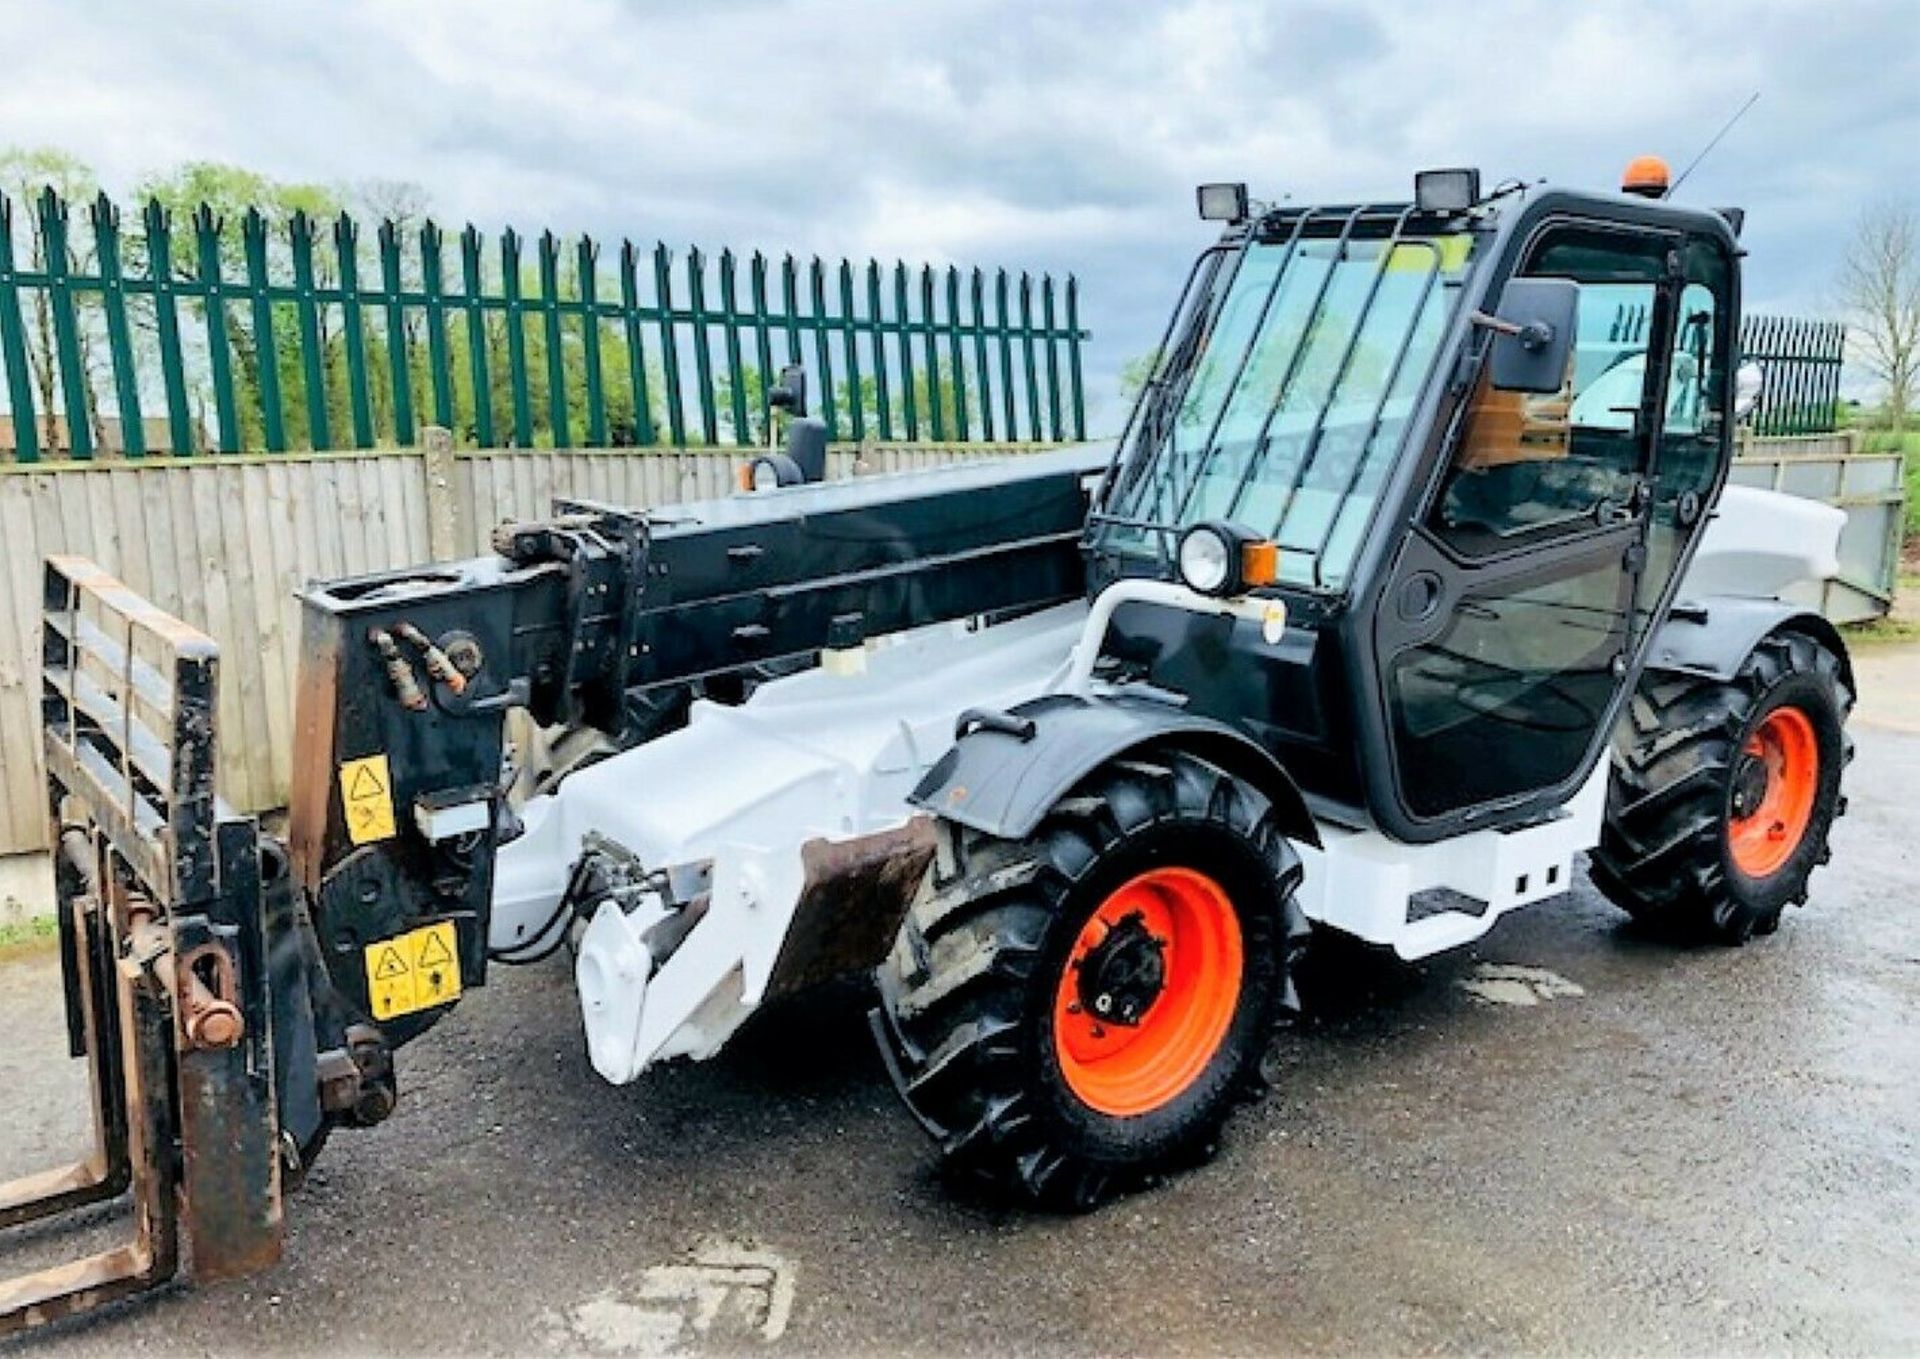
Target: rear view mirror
<point>1534,332</point>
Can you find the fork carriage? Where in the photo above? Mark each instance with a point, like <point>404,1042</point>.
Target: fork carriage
<point>162,953</point>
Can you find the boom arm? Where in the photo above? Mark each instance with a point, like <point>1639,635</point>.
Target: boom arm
<point>407,676</point>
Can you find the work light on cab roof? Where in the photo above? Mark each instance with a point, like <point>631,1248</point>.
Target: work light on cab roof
<point>1454,190</point>
<point>1222,202</point>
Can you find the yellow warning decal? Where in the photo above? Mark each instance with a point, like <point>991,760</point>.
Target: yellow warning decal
<point>366,793</point>
<point>413,971</point>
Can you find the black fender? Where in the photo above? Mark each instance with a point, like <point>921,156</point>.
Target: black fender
<point>1713,637</point>
<point>1005,770</point>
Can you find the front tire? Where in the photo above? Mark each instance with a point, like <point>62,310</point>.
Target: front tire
<point>1723,793</point>
<point>1075,1012</point>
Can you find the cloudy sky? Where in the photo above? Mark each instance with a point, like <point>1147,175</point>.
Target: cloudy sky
<point>1063,136</point>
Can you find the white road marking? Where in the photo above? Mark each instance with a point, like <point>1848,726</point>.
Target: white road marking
<point>1511,984</point>
<point>721,1288</point>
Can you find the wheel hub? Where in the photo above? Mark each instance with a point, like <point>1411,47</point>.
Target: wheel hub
<point>1149,991</point>
<point>1776,782</point>
<point>1124,974</point>
<point>1749,785</point>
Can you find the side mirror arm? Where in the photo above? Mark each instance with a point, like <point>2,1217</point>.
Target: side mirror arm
<point>1534,336</point>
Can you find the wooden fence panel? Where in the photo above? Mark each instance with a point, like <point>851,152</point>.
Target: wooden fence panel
<point>222,544</point>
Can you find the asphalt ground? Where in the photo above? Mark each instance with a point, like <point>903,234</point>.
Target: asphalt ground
<point>1570,1139</point>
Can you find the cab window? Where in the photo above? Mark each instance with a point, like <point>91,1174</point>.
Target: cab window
<point>1527,467</point>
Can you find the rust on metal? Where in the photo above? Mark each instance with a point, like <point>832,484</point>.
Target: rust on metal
<point>207,1012</point>
<point>48,1295</point>
<point>130,604</point>
<point>851,904</point>
<point>439,666</point>
<point>399,671</point>
<point>312,793</point>
<point>207,1015</point>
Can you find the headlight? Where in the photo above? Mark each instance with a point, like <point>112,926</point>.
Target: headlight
<point>1220,558</point>
<point>1206,560</point>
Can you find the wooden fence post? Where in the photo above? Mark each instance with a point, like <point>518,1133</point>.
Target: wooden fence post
<point>446,535</point>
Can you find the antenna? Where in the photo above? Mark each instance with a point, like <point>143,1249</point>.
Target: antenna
<point>1693,164</point>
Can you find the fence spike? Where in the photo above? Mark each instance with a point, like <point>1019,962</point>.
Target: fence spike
<point>822,343</point>
<point>956,356</point>
<point>399,366</point>
<point>883,406</point>
<point>105,220</point>
<point>74,390</point>
<point>730,335</point>
<point>903,323</point>
<point>630,325</point>
<point>586,267</point>
<point>856,399</point>
<point>1004,331</point>
<point>762,336</point>
<point>510,244</point>
<point>669,343</point>
<point>930,349</point>
<point>1026,356</point>
<point>479,361</point>
<point>346,246</point>
<point>13,347</point>
<point>1054,425</point>
<point>982,373</point>
<point>1075,382</point>
<point>433,289</point>
<point>207,232</point>
<point>699,320</point>
<point>559,426</point>
<point>312,343</point>
<point>790,305</point>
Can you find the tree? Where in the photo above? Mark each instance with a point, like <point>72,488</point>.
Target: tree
<point>1880,289</point>
<point>228,192</point>
<point>1136,372</point>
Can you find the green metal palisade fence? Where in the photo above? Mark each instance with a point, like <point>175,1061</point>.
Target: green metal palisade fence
<point>211,336</point>
<point>1802,361</point>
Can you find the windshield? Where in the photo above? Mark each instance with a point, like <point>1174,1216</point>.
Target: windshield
<point>1299,397</point>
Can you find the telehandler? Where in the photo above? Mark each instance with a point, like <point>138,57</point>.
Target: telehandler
<point>1412,577</point>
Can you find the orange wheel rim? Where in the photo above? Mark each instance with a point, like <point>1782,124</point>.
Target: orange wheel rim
<point>1149,991</point>
<point>1776,781</point>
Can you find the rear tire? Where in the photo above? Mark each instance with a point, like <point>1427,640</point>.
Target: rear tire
<point>1159,890</point>
<point>1723,793</point>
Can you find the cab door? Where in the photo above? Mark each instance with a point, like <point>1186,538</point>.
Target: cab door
<point>1521,599</point>
<point>1694,446</point>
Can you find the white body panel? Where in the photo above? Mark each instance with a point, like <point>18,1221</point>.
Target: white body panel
<point>1362,882</point>
<point>833,752</point>
<point>815,755</point>
<point>1765,545</point>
